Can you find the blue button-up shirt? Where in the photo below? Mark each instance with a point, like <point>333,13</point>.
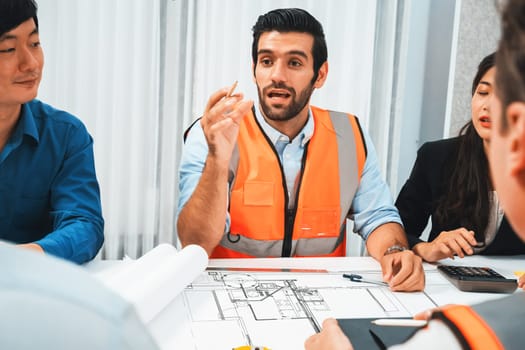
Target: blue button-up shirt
<point>49,193</point>
<point>372,205</point>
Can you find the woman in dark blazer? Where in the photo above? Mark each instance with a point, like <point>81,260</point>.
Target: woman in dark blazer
<point>450,183</point>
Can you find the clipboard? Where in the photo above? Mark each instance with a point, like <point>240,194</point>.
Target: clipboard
<point>365,335</point>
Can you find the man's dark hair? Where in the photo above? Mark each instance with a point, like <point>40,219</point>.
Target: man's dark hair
<point>292,20</point>
<point>15,12</point>
<point>510,57</point>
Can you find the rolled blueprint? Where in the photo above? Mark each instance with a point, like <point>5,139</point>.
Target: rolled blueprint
<point>155,279</point>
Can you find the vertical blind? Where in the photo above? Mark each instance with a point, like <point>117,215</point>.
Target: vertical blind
<point>139,72</point>
<point>102,64</point>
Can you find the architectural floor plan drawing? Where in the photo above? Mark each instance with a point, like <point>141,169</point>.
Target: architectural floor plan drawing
<point>279,310</point>
<point>192,303</point>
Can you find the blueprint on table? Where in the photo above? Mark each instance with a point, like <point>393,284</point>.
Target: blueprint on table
<point>225,309</point>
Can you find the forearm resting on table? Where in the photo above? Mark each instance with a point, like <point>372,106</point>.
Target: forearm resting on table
<point>458,242</point>
<point>202,220</point>
<point>402,270</point>
<point>425,251</point>
<point>418,247</point>
<point>383,237</point>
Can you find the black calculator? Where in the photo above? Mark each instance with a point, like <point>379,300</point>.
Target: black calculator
<point>478,279</point>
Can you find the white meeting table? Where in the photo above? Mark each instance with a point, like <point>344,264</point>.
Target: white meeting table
<point>278,302</point>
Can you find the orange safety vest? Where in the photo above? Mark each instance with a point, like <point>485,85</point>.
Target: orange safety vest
<point>261,223</point>
<point>470,329</point>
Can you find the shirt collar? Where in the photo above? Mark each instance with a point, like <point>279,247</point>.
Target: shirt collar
<point>274,135</point>
<point>26,124</point>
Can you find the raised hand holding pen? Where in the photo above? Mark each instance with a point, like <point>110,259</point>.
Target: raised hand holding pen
<point>221,119</point>
<point>220,126</point>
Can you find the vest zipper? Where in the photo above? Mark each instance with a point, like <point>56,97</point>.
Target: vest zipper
<point>289,214</point>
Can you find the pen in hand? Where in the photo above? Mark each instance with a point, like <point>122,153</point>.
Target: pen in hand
<point>400,322</point>
<point>358,278</point>
<point>232,89</point>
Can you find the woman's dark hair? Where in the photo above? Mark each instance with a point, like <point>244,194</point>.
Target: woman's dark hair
<point>292,20</point>
<point>467,198</point>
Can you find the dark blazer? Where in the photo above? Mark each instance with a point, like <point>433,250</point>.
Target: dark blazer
<point>427,183</point>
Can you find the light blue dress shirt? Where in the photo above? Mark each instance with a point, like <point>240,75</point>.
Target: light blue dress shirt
<point>372,205</point>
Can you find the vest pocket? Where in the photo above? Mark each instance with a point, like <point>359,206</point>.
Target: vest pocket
<point>319,223</point>
<point>258,193</point>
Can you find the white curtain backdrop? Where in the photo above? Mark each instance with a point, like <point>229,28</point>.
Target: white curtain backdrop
<point>102,64</point>
<point>223,49</point>
<point>138,72</point>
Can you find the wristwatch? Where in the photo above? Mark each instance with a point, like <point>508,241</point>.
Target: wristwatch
<point>395,249</point>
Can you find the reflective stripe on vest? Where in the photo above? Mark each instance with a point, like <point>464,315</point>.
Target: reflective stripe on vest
<point>335,158</point>
<point>470,329</point>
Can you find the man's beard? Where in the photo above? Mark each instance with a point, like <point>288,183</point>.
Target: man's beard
<point>279,112</point>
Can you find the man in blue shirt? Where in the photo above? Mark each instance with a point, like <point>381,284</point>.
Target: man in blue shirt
<point>271,181</point>
<point>49,194</point>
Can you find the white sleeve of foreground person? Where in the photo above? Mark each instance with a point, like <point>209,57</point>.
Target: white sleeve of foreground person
<point>436,336</point>
<point>49,303</point>
<point>154,280</point>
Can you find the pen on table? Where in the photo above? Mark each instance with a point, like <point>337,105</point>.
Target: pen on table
<point>229,94</point>
<point>359,278</point>
<point>400,322</point>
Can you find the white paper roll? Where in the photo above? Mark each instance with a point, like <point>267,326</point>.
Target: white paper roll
<point>155,279</point>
